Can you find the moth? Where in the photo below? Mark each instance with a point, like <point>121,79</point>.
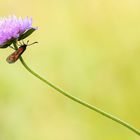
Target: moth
<point>12,58</point>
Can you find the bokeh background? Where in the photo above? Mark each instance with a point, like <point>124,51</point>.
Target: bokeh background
<point>90,48</point>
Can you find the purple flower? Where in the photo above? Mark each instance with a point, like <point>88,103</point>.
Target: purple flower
<point>13,28</point>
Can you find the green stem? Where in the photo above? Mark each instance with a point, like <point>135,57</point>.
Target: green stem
<point>121,122</point>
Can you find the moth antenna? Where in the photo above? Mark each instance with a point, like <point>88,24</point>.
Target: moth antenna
<point>27,42</point>
<point>32,43</point>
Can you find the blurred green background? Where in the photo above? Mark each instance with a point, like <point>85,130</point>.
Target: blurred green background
<point>91,49</point>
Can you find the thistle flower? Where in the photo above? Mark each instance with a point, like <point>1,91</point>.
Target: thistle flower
<point>13,28</point>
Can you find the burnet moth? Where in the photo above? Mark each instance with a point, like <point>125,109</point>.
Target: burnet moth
<point>12,58</point>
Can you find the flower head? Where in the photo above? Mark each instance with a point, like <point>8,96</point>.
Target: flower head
<point>12,28</point>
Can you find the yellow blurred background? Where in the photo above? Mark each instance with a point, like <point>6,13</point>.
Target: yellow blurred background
<point>91,49</point>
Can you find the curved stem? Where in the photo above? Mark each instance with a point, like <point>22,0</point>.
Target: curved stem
<point>121,122</point>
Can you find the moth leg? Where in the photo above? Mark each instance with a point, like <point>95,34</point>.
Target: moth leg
<point>12,47</point>
<point>20,44</point>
